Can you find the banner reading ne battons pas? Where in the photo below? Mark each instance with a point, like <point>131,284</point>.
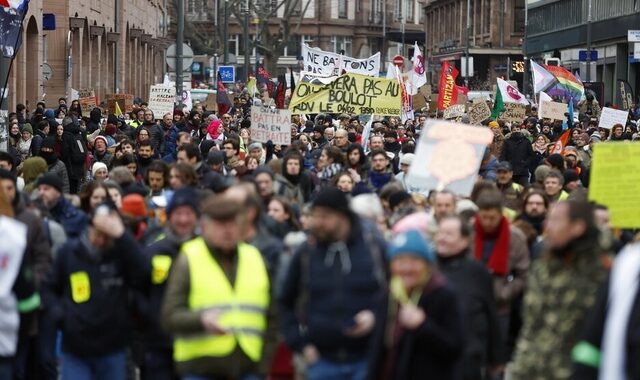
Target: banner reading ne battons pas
<point>349,93</point>
<point>324,63</point>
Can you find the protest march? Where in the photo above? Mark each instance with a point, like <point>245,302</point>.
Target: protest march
<point>336,222</point>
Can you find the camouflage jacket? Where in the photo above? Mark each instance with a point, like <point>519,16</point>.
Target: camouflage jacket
<point>560,293</point>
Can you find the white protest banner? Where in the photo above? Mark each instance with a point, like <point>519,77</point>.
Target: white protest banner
<point>161,100</point>
<point>454,111</point>
<point>610,117</point>
<point>366,132</point>
<point>270,124</point>
<point>323,63</point>
<point>553,110</point>
<point>448,156</point>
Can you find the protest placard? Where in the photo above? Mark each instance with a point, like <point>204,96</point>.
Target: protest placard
<point>351,94</point>
<point>271,124</point>
<point>125,101</point>
<point>418,101</point>
<point>610,117</point>
<point>211,103</point>
<point>87,100</point>
<point>323,63</point>
<point>553,110</point>
<point>161,100</point>
<point>448,157</point>
<point>615,182</point>
<point>454,111</point>
<point>514,112</point>
<point>479,112</point>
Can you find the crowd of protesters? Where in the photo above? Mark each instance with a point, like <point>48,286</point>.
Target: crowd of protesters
<point>175,246</point>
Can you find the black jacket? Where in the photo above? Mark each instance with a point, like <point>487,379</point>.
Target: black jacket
<point>95,118</point>
<point>97,320</point>
<point>75,167</point>
<point>519,152</point>
<point>474,286</point>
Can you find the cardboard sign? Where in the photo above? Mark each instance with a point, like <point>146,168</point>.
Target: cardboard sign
<point>552,110</point>
<point>125,101</point>
<point>610,117</point>
<point>448,157</point>
<point>514,112</point>
<point>271,124</point>
<point>161,100</point>
<point>324,63</point>
<point>615,182</point>
<point>418,101</point>
<point>351,94</point>
<point>86,93</point>
<point>479,112</point>
<point>454,111</point>
<point>87,100</point>
<point>211,103</point>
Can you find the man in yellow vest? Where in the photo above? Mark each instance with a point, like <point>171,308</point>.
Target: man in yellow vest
<point>217,299</point>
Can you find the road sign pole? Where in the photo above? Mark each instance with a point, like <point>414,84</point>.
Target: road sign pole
<point>179,42</point>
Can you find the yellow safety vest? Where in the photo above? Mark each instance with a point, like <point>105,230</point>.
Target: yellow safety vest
<point>243,307</point>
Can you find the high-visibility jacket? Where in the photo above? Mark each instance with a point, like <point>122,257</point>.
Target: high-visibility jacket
<point>243,306</point>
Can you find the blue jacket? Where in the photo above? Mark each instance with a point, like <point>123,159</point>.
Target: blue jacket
<point>72,219</point>
<point>333,287</point>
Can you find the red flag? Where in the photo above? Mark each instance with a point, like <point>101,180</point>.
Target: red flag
<point>279,92</point>
<point>264,78</point>
<point>462,90</point>
<point>224,104</point>
<point>448,93</point>
<point>558,148</point>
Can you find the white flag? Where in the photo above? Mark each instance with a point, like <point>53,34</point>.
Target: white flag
<point>510,94</point>
<point>417,75</point>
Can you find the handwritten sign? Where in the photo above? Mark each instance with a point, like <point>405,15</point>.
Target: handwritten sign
<point>514,112</point>
<point>479,112</point>
<point>552,110</point>
<point>211,103</point>
<point>125,101</point>
<point>87,100</point>
<point>615,182</point>
<point>448,157</point>
<point>161,100</point>
<point>351,94</point>
<point>323,63</point>
<point>610,117</point>
<point>454,111</point>
<point>271,124</point>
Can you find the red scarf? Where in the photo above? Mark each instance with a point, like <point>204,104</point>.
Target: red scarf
<point>499,258</point>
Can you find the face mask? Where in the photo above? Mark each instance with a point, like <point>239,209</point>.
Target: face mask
<point>50,157</point>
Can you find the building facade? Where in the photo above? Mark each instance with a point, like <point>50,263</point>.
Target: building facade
<point>111,46</point>
<point>359,28</point>
<point>494,41</point>
<point>559,28</point>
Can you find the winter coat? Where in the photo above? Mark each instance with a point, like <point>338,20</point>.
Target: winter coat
<point>518,152</point>
<point>61,171</point>
<point>72,219</point>
<point>95,118</point>
<point>75,169</point>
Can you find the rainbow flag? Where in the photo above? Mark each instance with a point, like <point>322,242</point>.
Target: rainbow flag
<point>568,85</point>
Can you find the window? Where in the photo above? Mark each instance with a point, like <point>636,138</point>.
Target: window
<point>376,11</point>
<point>342,8</point>
<point>487,20</point>
<point>233,44</point>
<point>518,16</point>
<point>397,10</point>
<point>307,39</point>
<point>409,9</point>
<point>297,8</point>
<point>195,6</point>
<point>341,45</point>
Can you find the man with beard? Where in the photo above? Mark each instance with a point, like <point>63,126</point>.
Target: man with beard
<point>518,152</point>
<point>294,183</point>
<point>47,151</point>
<point>318,136</point>
<point>72,219</point>
<point>194,122</point>
<point>145,157</point>
<point>380,173</point>
<point>561,290</point>
<point>511,191</point>
<point>100,152</point>
<point>170,136</point>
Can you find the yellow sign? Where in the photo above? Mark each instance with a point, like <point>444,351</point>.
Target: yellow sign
<point>615,182</point>
<point>80,287</point>
<point>351,94</point>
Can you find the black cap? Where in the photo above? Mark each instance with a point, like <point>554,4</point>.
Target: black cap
<point>334,199</point>
<point>397,198</point>
<point>570,175</point>
<point>504,166</point>
<point>185,196</point>
<point>51,179</point>
<point>215,157</point>
<point>215,182</point>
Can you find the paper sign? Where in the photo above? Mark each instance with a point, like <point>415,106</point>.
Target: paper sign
<point>271,124</point>
<point>125,101</point>
<point>324,63</point>
<point>211,103</point>
<point>514,112</point>
<point>479,112</point>
<point>87,100</point>
<point>615,182</point>
<point>454,111</point>
<point>161,100</point>
<point>610,117</point>
<point>351,94</point>
<point>448,157</point>
<point>553,110</point>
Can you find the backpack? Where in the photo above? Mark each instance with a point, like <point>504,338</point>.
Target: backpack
<point>78,150</point>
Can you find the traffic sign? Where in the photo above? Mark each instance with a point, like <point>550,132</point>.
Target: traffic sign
<point>47,71</point>
<point>398,60</point>
<point>582,55</point>
<point>227,74</point>
<point>633,35</point>
<point>187,56</point>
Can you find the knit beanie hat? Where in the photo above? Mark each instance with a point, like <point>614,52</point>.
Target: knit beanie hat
<point>33,167</point>
<point>104,139</point>
<point>255,145</point>
<point>51,179</point>
<point>97,166</point>
<point>334,199</point>
<point>596,136</point>
<point>134,205</point>
<point>541,173</point>
<point>555,160</point>
<point>27,128</point>
<point>411,243</point>
<point>185,196</point>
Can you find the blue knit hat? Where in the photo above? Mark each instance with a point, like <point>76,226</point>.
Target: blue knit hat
<point>411,243</point>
